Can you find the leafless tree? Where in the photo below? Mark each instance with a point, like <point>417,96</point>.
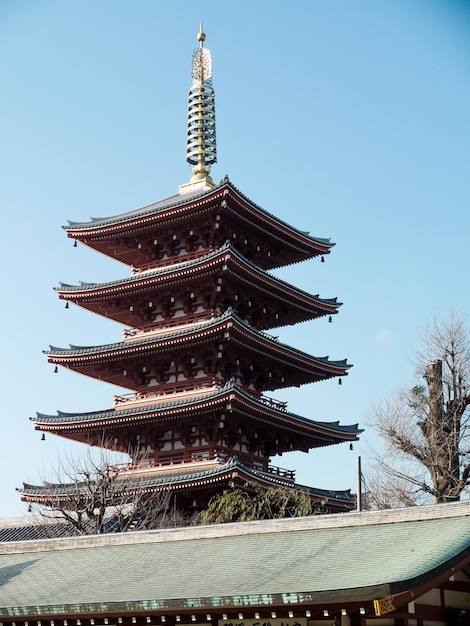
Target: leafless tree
<point>426,428</point>
<point>98,495</point>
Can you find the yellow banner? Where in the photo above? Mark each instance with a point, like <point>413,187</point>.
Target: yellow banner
<point>383,606</point>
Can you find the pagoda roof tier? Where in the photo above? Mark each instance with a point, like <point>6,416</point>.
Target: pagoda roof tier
<point>226,344</point>
<point>142,237</point>
<point>224,274</point>
<point>193,478</point>
<point>256,413</point>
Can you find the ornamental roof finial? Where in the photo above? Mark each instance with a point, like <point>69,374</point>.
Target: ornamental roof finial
<point>201,150</point>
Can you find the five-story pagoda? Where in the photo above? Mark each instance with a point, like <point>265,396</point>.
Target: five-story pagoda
<point>195,354</point>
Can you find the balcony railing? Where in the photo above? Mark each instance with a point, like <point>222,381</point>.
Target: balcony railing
<point>186,388</point>
<point>276,404</point>
<point>168,324</point>
<point>174,260</point>
<point>181,389</point>
<point>183,461</point>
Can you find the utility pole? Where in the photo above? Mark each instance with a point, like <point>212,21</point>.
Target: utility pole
<point>359,484</point>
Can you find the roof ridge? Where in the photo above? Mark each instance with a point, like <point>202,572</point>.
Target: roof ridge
<point>198,260</point>
<point>200,326</point>
<point>314,522</point>
<point>180,200</point>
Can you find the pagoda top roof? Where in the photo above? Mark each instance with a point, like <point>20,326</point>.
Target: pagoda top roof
<point>179,201</point>
<point>148,411</point>
<point>316,563</point>
<point>149,209</point>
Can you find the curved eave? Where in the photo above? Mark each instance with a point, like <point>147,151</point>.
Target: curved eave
<point>315,563</point>
<point>228,329</point>
<point>183,206</point>
<point>189,479</point>
<point>226,261</point>
<point>320,433</point>
<point>259,217</point>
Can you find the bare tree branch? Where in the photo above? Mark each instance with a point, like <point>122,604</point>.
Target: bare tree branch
<point>94,496</point>
<point>426,428</point>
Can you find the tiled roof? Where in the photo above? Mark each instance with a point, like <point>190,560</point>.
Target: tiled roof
<point>142,411</point>
<point>188,331</point>
<point>180,200</point>
<point>301,561</point>
<point>193,263</point>
<point>176,476</point>
<point>30,529</point>
<point>154,207</point>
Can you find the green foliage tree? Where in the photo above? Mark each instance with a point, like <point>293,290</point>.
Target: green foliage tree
<point>253,502</point>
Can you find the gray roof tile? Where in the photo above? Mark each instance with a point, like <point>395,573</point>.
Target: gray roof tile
<point>110,414</point>
<point>181,200</point>
<point>254,563</point>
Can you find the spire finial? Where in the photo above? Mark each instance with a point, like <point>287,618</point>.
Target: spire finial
<point>201,149</point>
<point>201,35</point>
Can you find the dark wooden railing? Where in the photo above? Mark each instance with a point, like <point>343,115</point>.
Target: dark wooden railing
<point>175,260</point>
<point>168,324</point>
<point>182,460</point>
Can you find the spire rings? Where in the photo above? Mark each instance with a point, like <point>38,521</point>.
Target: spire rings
<point>201,125</point>
<point>201,151</point>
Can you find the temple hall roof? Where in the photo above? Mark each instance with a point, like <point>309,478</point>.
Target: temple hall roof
<point>316,561</point>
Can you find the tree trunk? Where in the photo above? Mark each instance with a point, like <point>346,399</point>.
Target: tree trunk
<point>440,426</point>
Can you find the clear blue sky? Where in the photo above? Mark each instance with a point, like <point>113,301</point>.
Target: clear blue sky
<point>347,119</point>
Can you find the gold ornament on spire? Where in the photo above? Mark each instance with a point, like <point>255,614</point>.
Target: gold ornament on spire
<point>201,149</point>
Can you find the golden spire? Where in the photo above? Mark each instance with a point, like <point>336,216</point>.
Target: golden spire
<point>201,149</point>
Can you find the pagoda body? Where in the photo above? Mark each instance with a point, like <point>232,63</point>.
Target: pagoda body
<point>197,354</point>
